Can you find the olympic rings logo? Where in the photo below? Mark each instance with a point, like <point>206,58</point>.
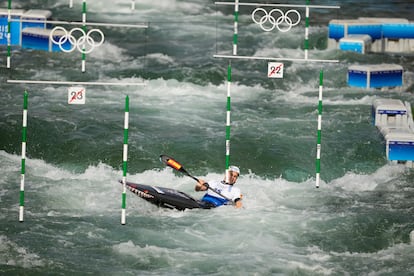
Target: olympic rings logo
<point>77,38</point>
<point>268,22</point>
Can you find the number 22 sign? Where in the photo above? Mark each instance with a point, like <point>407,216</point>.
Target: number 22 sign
<point>275,70</point>
<point>76,95</point>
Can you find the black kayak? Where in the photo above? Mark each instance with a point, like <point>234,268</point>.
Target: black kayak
<point>165,197</point>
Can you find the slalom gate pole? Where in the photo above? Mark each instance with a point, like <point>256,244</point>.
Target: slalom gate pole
<point>236,19</point>
<point>228,112</point>
<point>228,124</point>
<point>318,146</point>
<point>8,33</point>
<point>307,29</point>
<point>70,3</point>
<point>84,28</point>
<point>124,161</point>
<point>23,164</point>
<point>132,4</point>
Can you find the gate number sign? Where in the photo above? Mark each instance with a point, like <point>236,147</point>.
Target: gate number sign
<point>76,95</point>
<point>275,70</point>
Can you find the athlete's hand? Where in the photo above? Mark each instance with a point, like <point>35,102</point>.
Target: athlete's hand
<point>238,204</point>
<point>201,185</point>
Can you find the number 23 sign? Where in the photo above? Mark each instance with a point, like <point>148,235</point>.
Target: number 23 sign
<point>76,95</point>
<point>275,70</point>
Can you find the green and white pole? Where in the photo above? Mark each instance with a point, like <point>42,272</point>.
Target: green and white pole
<point>125,161</point>
<point>228,124</point>
<point>84,28</point>
<point>23,165</point>
<point>307,29</point>
<point>236,20</point>
<point>318,146</point>
<point>228,112</point>
<point>70,3</point>
<point>8,34</point>
<point>133,5</point>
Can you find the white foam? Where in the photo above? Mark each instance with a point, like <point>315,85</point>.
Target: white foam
<point>12,254</point>
<point>368,182</point>
<point>145,254</point>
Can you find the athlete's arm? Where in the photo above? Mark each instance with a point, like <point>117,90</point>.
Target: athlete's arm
<point>201,185</point>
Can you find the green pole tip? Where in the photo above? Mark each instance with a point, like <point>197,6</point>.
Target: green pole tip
<point>127,103</point>
<point>321,77</point>
<point>25,99</point>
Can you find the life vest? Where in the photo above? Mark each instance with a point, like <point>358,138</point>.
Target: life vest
<point>216,201</point>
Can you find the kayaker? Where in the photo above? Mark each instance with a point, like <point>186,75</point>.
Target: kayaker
<point>219,192</point>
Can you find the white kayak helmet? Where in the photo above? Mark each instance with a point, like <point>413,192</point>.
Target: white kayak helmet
<point>234,169</point>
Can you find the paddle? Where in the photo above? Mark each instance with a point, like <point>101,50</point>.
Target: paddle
<point>171,162</point>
